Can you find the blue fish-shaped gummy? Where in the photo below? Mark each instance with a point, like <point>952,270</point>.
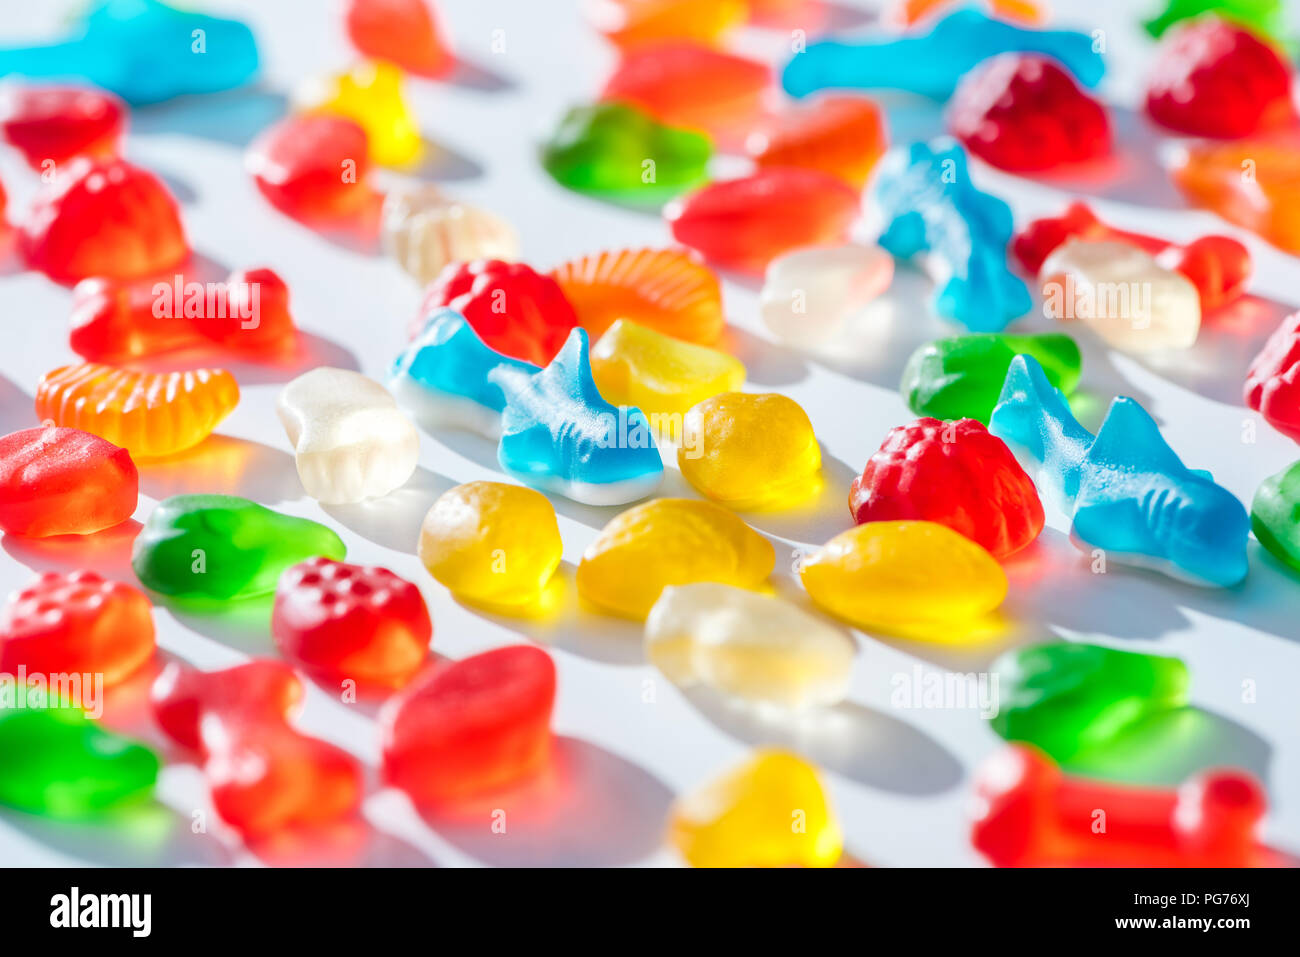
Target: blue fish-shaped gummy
<point>1128,492</point>
<point>933,63</point>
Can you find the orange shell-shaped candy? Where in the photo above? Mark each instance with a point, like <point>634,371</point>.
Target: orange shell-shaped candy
<point>151,414</point>
<point>667,290</point>
<point>1267,201</point>
<point>843,135</point>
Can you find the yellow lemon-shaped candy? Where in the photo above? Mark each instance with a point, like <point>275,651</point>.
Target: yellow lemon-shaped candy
<point>636,366</point>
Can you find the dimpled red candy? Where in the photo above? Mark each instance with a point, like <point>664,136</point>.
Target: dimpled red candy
<point>956,474</point>
<point>351,622</point>
<point>1273,382</point>
<point>1213,78</point>
<point>59,481</point>
<point>1023,112</point>
<point>469,727</point>
<point>514,309</point>
<point>745,223</point>
<point>56,123</point>
<point>403,32</point>
<point>312,167</point>
<point>103,217</point>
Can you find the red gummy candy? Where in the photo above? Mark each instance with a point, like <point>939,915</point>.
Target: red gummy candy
<point>103,217</point>
<point>1213,78</point>
<point>76,623</point>
<point>1022,112</point>
<point>1273,382</point>
<point>312,167</point>
<point>955,473</point>
<point>514,310</point>
<point>59,481</point>
<point>472,726</point>
<point>403,32</point>
<point>351,621</point>
<point>261,692</point>
<point>745,223</point>
<point>56,123</point>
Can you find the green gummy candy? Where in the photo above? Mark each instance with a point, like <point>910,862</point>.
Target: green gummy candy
<point>224,547</point>
<point>1068,697</point>
<point>961,377</point>
<point>1263,17</point>
<point>1275,515</point>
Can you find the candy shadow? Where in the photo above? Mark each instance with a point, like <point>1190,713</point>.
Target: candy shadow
<point>235,466</point>
<point>234,117</point>
<point>442,162</point>
<point>394,520</point>
<point>107,552</point>
<point>817,518</point>
<point>309,352</point>
<point>17,408</point>
<point>352,842</point>
<point>471,74</point>
<point>145,835</point>
<point>767,364</point>
<point>244,625</point>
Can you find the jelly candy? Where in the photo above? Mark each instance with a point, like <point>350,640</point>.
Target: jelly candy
<point>1030,815</point>
<point>1262,16</point>
<point>424,230</point>
<point>966,231</point>
<point>560,435</point>
<point>103,217</point>
<point>745,223</point>
<point>636,23</point>
<point>1122,294</point>
<point>953,473</point>
<point>903,576</point>
<point>351,441</point>
<point>1217,265</point>
<point>404,32</point>
<point>1023,113</point>
<point>513,309</point>
<point>312,168</point>
<point>145,52</point>
<point>749,646</point>
<point>470,727</point>
<point>636,366</point>
<point>932,63</point>
<point>1067,697</point>
<point>843,135</point>
<point>224,547</point>
<point>743,818</point>
<point>670,541</point>
<point>909,12</point>
<point>53,124</point>
<point>1210,175</point>
<point>667,290</point>
<point>57,481</point>
<point>620,152</point>
<point>150,414</point>
<point>808,294</point>
<point>1273,514</point>
<point>1271,388</point>
<point>261,692</point>
<point>1127,491</point>
<point>351,622</point>
<point>492,544</point>
<point>370,95</point>
<point>961,377</point>
<point>747,450</point>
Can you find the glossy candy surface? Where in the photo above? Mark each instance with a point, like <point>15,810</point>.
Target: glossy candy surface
<point>56,481</point>
<point>53,124</point>
<point>424,230</point>
<point>312,167</point>
<point>808,294</point>
<point>842,134</point>
<point>636,366</point>
<point>370,95</point>
<point>1263,16</point>
<point>1275,515</point>
<point>1273,381</point>
<point>1210,175</point>
<point>634,23</point>
<point>404,32</point>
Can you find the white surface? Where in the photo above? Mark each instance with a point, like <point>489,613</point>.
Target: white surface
<point>629,741</point>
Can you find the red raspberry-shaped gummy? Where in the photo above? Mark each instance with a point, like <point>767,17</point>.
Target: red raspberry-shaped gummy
<point>514,310</point>
<point>403,32</point>
<point>1273,382</point>
<point>60,481</point>
<point>312,167</point>
<point>56,123</point>
<point>955,473</point>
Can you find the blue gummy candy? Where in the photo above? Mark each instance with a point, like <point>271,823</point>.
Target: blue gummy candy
<point>932,63</point>
<point>1129,494</point>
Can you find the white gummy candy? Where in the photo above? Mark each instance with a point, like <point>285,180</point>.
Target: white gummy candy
<point>424,230</point>
<point>809,293</point>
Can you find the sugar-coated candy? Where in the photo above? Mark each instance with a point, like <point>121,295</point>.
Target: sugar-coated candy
<point>808,294</point>
<point>1272,386</point>
<point>670,541</point>
<point>1210,175</point>
<point>370,94</point>
<point>1028,814</point>
<point>753,647</point>
<point>312,167</point>
<point>930,205</point>
<point>842,134</point>
<point>404,32</point>
<point>634,23</point>
<point>150,414</point>
<point>58,481</point>
<point>1022,112</point>
<point>743,819</point>
<point>1275,515</point>
<point>351,622</point>
<point>424,230</point>
<point>620,152</point>
<point>1128,493</point>
<point>224,547</point>
<point>491,543</point>
<point>558,434</point>
<point>76,623</point>
<point>745,223</point>
<point>145,52</point>
<point>1263,16</point>
<point>514,309</point>
<point>636,366</point>
<point>1122,294</point>
<point>961,377</point>
<point>53,124</point>
<point>749,450</point>
<point>470,727</point>
<point>103,217</point>
<point>932,62</point>
<point>1068,697</point>
<point>667,290</point>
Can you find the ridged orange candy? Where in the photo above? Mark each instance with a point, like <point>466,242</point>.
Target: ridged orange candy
<point>633,23</point>
<point>843,135</point>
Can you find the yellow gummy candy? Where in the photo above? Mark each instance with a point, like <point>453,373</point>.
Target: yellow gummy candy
<point>670,541</point>
<point>370,95</point>
<point>491,543</point>
<point>637,366</point>
<point>769,812</point>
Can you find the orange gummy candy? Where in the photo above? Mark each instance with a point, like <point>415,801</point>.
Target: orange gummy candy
<point>910,12</point>
<point>403,32</point>
<point>843,135</point>
<point>1215,175</point>
<point>633,23</point>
